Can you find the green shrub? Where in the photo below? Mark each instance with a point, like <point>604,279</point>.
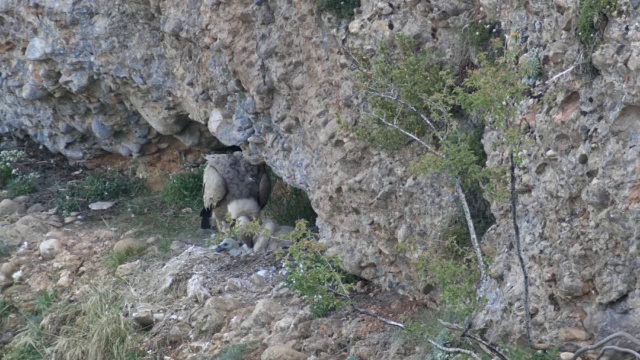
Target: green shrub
<point>520,353</point>
<point>315,276</point>
<point>593,16</point>
<point>8,160</point>
<point>340,8</point>
<point>99,186</point>
<point>22,185</point>
<point>288,204</point>
<point>45,301</point>
<point>184,190</point>
<point>233,352</point>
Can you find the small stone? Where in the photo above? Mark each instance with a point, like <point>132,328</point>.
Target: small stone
<point>69,220</point>
<point>38,49</point>
<point>144,318</point>
<point>568,356</point>
<point>158,317</point>
<point>552,154</point>
<point>152,240</point>
<point>50,248</point>
<point>9,207</point>
<point>574,334</point>
<point>24,199</point>
<point>178,333</point>
<point>128,268</point>
<point>128,245</point>
<point>7,269</point>
<point>101,205</point>
<point>282,352</point>
<point>36,208</point>
<point>65,281</point>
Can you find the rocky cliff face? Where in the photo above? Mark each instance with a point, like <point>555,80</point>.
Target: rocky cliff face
<point>272,76</point>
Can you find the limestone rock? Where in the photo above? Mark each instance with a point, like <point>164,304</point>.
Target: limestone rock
<point>127,269</point>
<point>50,248</point>
<point>10,207</point>
<point>282,352</point>
<point>128,245</point>
<point>7,269</point>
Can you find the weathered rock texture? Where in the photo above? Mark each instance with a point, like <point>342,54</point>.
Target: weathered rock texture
<point>270,76</point>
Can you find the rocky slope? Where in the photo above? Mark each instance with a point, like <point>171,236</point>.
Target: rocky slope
<point>271,77</point>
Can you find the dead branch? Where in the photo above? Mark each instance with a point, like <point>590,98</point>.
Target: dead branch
<point>380,318</point>
<point>404,132</point>
<point>453,350</point>
<point>518,246</point>
<point>433,343</point>
<point>619,349</point>
<point>405,104</point>
<point>604,341</point>
<point>472,230</point>
<point>484,345</point>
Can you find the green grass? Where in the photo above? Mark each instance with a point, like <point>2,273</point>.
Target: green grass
<point>45,301</point>
<point>115,259</point>
<point>22,185</point>
<point>184,190</point>
<point>99,186</point>
<point>233,352</point>
<point>593,16</point>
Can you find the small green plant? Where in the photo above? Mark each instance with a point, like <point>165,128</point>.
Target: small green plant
<point>593,17</point>
<point>340,8</point>
<point>45,301</point>
<point>184,190</point>
<point>5,249</point>
<point>22,185</point>
<point>233,352</point>
<point>99,186</point>
<point>8,160</point>
<point>287,204</point>
<point>115,258</point>
<point>314,275</point>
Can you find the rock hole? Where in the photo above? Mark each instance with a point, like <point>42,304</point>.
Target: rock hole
<point>541,168</point>
<point>390,25</point>
<point>583,159</point>
<point>339,190</point>
<point>434,33</point>
<point>288,204</point>
<point>592,173</point>
<point>590,99</point>
<point>338,143</point>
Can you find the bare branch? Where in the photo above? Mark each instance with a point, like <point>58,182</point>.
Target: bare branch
<point>453,350</point>
<point>486,347</point>
<point>561,74</point>
<point>472,230</point>
<point>604,341</point>
<point>619,349</point>
<point>433,343</point>
<point>405,132</point>
<point>413,109</point>
<point>380,318</point>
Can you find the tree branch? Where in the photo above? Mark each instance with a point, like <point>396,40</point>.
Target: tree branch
<point>380,318</point>
<point>403,131</point>
<point>518,246</point>
<point>472,230</point>
<point>406,105</point>
<point>619,349</point>
<point>604,341</point>
<point>484,345</point>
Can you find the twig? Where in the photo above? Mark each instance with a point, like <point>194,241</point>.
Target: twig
<point>433,343</point>
<point>619,349</point>
<point>604,341</point>
<point>518,246</point>
<point>453,350</point>
<point>561,74</point>
<point>472,230</point>
<point>391,125</point>
<point>484,345</point>
<point>406,105</point>
<point>380,318</point>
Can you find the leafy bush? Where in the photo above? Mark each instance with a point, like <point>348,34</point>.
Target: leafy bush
<point>233,352</point>
<point>184,190</point>
<point>99,186</point>
<point>22,185</point>
<point>340,8</point>
<point>8,160</point>
<point>315,276</point>
<point>593,16</point>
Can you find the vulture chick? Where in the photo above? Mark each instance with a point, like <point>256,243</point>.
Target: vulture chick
<point>230,178</point>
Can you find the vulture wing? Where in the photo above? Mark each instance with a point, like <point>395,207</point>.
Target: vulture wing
<point>215,187</point>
